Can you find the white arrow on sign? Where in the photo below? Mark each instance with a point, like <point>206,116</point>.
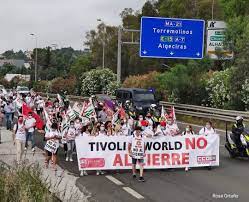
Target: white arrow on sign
<point>171,53</point>
<point>144,52</point>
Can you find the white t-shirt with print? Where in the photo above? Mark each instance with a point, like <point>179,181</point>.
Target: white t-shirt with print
<point>124,130</point>
<point>102,134</point>
<point>78,127</point>
<point>71,133</point>
<point>20,132</point>
<point>171,129</point>
<point>205,131</point>
<point>52,133</point>
<point>160,131</point>
<point>148,131</point>
<point>137,146</point>
<point>30,122</point>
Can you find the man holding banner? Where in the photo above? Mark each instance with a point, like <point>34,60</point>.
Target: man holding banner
<point>136,149</point>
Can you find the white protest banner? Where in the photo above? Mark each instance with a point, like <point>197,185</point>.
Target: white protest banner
<point>51,146</point>
<point>103,153</point>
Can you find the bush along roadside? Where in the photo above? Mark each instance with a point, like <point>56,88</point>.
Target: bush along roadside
<point>24,183</point>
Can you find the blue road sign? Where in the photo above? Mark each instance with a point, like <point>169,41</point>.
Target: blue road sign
<point>171,38</point>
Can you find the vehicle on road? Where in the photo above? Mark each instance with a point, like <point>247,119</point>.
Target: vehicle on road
<point>103,97</point>
<point>238,150</point>
<point>22,90</point>
<point>141,99</point>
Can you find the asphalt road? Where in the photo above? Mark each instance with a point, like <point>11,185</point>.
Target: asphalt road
<point>229,181</point>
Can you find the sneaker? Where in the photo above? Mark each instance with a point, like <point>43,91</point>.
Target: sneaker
<point>71,159</point>
<point>134,176</point>
<point>141,179</point>
<point>82,173</point>
<point>102,172</point>
<point>25,148</point>
<point>97,173</point>
<point>67,159</point>
<point>186,169</point>
<point>85,173</point>
<point>33,149</point>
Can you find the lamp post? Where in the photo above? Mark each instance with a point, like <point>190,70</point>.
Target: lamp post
<point>35,55</point>
<point>103,44</point>
<point>213,9</point>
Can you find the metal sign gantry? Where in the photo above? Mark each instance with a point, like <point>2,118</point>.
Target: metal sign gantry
<point>120,43</point>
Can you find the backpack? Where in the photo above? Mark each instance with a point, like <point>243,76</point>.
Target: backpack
<point>190,131</point>
<point>18,125</point>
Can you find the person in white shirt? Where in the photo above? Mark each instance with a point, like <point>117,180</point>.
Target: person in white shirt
<point>85,131</point>
<point>161,129</point>
<point>130,124</point>
<point>171,128</point>
<point>28,100</point>
<point>136,150</point>
<point>78,125</point>
<point>52,138</point>
<point>188,130</point>
<point>9,110</point>
<point>40,104</point>
<point>102,130</point>
<point>150,121</point>
<point>148,131</point>
<point>19,134</point>
<point>140,120</point>
<point>208,129</point>
<point>124,130</point>
<point>70,138</point>
<point>30,123</point>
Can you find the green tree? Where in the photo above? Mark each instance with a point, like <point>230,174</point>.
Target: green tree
<point>186,83</point>
<point>235,8</point>
<point>10,54</point>
<point>81,65</point>
<point>189,9</point>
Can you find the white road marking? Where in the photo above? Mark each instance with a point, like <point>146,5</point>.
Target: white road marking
<point>133,193</point>
<point>114,180</point>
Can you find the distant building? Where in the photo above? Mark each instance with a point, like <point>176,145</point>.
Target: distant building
<point>9,77</point>
<point>14,62</point>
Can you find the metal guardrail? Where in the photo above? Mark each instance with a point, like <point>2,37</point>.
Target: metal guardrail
<point>206,112</point>
<point>184,109</point>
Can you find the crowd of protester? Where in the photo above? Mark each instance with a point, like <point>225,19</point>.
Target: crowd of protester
<point>63,123</point>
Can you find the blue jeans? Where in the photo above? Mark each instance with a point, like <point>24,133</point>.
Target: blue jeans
<point>8,117</point>
<point>30,137</point>
<point>70,147</point>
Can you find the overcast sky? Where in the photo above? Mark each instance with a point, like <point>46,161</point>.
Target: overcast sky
<point>62,22</point>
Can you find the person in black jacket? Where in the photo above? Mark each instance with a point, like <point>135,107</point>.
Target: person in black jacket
<point>237,130</point>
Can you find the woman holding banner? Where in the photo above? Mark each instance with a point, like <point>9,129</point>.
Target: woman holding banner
<point>188,130</point>
<point>208,129</point>
<point>52,138</point>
